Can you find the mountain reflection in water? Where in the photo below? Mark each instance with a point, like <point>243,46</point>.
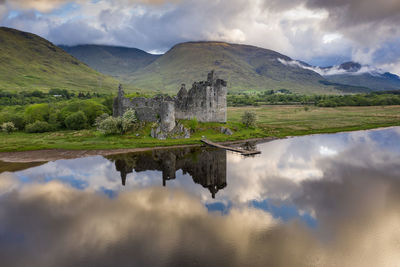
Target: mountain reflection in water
<point>322,200</point>
<point>206,166</point>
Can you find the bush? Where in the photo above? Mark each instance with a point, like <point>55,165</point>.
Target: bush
<point>38,127</point>
<point>8,127</point>
<point>109,126</point>
<point>76,121</point>
<point>130,116</point>
<point>249,119</point>
<point>193,124</point>
<point>13,116</point>
<point>100,118</point>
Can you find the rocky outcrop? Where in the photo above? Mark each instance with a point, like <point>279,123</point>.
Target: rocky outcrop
<point>226,131</point>
<point>178,132</point>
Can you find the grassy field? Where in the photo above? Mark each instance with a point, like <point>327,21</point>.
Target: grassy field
<point>280,121</point>
<point>273,121</point>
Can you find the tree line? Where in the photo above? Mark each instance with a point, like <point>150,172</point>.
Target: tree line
<point>272,98</point>
<point>33,97</point>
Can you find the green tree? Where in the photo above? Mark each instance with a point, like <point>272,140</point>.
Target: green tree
<point>249,119</point>
<point>37,112</point>
<point>76,121</point>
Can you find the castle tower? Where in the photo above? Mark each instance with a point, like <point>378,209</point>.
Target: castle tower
<point>118,107</point>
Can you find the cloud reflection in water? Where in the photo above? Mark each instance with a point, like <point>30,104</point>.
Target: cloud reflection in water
<point>353,195</point>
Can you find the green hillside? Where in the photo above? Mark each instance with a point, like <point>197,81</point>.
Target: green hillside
<point>111,60</point>
<point>246,68</point>
<point>29,62</point>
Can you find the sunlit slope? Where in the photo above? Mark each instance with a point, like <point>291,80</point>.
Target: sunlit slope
<point>29,62</point>
<point>246,68</point>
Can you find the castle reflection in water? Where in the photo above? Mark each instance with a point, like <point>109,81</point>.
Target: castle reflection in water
<point>206,166</point>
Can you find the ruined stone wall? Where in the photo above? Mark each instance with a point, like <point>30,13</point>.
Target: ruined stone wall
<point>205,101</point>
<point>147,109</point>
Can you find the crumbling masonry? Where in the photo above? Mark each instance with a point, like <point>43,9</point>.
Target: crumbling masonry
<point>205,101</point>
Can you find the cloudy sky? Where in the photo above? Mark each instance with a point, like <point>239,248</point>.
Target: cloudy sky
<point>321,32</point>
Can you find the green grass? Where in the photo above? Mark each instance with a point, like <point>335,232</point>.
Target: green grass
<point>274,121</point>
<point>281,121</point>
<point>29,62</point>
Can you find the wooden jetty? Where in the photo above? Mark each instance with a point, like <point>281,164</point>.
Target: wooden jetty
<point>238,150</point>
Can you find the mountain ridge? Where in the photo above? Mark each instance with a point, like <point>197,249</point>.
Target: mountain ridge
<point>246,68</point>
<point>30,62</point>
<point>356,74</point>
<point>112,60</point>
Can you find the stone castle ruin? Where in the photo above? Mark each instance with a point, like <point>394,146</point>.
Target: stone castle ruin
<point>205,101</point>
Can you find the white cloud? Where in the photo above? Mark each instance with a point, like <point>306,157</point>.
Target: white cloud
<point>336,69</point>
<point>307,30</point>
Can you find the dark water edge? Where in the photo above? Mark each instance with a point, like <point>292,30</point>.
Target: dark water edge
<point>320,200</point>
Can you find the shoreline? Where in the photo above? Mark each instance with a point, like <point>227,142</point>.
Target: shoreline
<point>47,155</point>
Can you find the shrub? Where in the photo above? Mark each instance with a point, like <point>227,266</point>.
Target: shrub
<point>123,125</point>
<point>18,120</point>
<point>8,127</point>
<point>38,127</point>
<point>76,121</point>
<point>193,124</point>
<point>130,116</point>
<point>109,126</point>
<point>249,119</point>
<point>100,118</point>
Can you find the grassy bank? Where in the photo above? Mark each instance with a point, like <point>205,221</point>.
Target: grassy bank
<point>273,121</point>
<point>281,121</point>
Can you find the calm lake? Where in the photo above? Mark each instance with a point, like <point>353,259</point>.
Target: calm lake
<point>320,200</point>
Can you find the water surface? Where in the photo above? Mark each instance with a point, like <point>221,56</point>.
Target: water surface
<point>320,200</point>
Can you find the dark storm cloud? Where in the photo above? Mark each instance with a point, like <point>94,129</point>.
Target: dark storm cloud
<point>348,12</point>
<point>365,27</point>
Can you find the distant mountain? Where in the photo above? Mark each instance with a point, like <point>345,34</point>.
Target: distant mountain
<point>29,62</point>
<point>245,67</point>
<point>355,74</point>
<point>350,66</point>
<point>111,60</point>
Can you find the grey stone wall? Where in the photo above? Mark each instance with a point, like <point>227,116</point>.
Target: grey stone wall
<point>147,109</point>
<point>205,101</point>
